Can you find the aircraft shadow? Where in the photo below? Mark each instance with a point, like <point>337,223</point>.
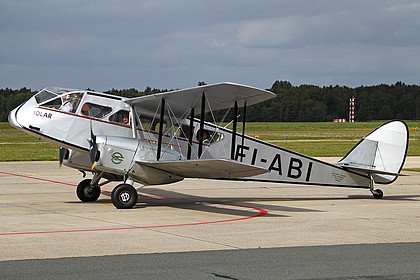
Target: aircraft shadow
<point>179,199</point>
<point>202,205</point>
<point>154,197</point>
<point>388,197</point>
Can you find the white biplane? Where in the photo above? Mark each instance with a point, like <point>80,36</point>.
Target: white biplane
<point>164,138</point>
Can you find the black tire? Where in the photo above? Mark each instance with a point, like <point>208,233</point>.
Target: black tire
<point>378,194</point>
<point>86,193</point>
<point>124,196</point>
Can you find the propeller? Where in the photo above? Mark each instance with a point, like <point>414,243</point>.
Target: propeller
<point>62,154</point>
<point>94,154</point>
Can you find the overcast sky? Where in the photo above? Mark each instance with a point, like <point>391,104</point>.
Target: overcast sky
<point>101,44</point>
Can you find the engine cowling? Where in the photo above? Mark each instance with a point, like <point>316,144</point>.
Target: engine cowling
<point>115,154</point>
<point>123,157</point>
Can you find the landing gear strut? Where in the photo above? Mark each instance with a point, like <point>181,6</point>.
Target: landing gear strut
<point>377,193</point>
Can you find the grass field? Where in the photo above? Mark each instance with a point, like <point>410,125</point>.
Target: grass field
<point>313,139</point>
<point>323,138</point>
<point>16,145</point>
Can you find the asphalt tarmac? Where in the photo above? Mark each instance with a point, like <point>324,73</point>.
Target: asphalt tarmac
<point>378,261</point>
<point>175,229</point>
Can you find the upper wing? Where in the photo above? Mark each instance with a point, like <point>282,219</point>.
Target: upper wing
<point>218,96</point>
<point>207,168</point>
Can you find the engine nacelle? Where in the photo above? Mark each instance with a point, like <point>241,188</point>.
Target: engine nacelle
<point>116,154</point>
<point>123,156</point>
<point>77,160</point>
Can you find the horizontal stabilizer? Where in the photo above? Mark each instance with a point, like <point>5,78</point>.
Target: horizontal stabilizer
<point>372,171</point>
<point>207,168</point>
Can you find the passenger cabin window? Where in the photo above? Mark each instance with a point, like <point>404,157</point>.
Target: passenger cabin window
<point>183,131</point>
<point>150,124</point>
<point>120,117</point>
<point>209,136</point>
<point>95,110</point>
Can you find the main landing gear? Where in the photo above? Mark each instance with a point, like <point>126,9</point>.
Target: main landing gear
<point>377,193</point>
<point>124,196</point>
<point>87,192</point>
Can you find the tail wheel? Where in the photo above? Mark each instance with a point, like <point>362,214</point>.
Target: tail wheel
<point>378,194</point>
<point>124,196</point>
<point>87,193</point>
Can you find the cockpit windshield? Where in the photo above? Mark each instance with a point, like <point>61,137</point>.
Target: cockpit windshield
<point>61,99</point>
<point>49,93</point>
<point>44,95</point>
<point>66,102</point>
<point>78,102</point>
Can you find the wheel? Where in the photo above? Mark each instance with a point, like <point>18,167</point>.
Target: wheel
<point>87,193</point>
<point>378,194</point>
<point>124,196</point>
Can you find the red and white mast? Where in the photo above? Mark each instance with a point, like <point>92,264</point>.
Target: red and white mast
<point>351,110</point>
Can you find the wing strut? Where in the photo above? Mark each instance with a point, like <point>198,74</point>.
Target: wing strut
<point>243,131</point>
<point>162,115</point>
<point>191,132</point>
<point>235,116</point>
<point>133,122</point>
<point>200,140</point>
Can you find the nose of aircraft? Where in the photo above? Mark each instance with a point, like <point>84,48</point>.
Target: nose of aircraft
<point>22,116</point>
<point>13,119</point>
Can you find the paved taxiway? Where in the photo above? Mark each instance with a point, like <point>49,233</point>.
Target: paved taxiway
<point>356,262</point>
<point>41,217</point>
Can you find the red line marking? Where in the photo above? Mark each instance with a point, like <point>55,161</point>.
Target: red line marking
<point>151,195</point>
<point>260,212</point>
<point>39,179</point>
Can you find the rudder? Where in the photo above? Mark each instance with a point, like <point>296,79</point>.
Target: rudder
<point>383,150</point>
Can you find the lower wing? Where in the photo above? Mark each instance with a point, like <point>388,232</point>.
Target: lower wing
<point>207,168</point>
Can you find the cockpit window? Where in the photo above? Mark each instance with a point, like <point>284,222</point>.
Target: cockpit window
<point>120,117</point>
<point>55,103</point>
<point>68,102</point>
<point>49,93</point>
<point>43,96</point>
<point>95,110</point>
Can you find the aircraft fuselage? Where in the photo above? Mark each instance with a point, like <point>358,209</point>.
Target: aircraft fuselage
<point>48,118</point>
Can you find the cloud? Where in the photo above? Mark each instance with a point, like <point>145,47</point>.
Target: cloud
<point>390,25</point>
<point>174,44</point>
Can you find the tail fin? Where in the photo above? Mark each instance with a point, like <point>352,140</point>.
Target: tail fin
<point>381,153</point>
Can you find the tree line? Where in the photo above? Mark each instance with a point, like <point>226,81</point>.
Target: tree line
<point>310,103</point>
<point>304,103</point>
